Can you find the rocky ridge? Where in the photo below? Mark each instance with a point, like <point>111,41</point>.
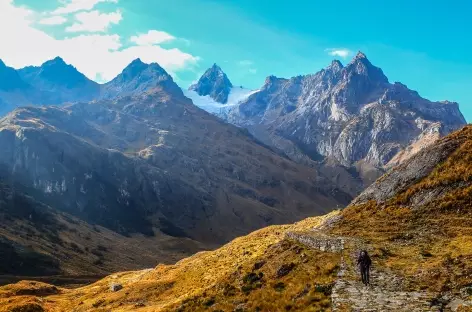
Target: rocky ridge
<point>350,113</point>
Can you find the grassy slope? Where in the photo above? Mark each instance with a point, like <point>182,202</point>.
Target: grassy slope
<point>430,246</point>
<point>217,280</point>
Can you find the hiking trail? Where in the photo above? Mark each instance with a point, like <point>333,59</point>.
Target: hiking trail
<point>386,292</point>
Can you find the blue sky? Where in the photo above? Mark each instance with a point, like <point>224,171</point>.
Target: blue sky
<point>423,44</point>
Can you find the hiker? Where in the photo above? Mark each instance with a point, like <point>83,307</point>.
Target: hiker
<point>364,264</point>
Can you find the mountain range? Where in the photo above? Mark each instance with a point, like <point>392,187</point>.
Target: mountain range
<point>148,163</point>
<point>137,158</point>
<point>350,114</point>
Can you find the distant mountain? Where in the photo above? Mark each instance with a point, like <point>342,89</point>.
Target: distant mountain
<point>215,93</point>
<point>10,80</point>
<point>154,164</point>
<point>14,91</point>
<point>138,77</point>
<point>56,82</point>
<point>63,82</point>
<point>350,114</point>
<point>215,84</point>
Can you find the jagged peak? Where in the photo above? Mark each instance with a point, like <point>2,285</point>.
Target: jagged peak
<point>214,73</point>
<point>362,66</point>
<point>360,55</point>
<point>216,70</point>
<point>335,66</point>
<point>215,83</point>
<point>140,65</point>
<point>360,58</point>
<point>270,79</point>
<point>55,61</point>
<point>336,63</point>
<point>137,61</point>
<point>134,68</point>
<point>216,67</point>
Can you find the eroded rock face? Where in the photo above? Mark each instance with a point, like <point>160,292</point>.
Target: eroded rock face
<point>349,113</point>
<point>214,83</point>
<point>413,170</point>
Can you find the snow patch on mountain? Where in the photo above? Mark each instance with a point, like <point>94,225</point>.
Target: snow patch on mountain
<point>236,96</point>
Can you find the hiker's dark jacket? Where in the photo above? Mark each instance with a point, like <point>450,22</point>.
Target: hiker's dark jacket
<point>364,261</point>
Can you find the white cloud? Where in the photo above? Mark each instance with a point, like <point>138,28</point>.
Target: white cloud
<point>72,6</point>
<point>245,63</point>
<point>152,37</point>
<point>95,55</point>
<point>341,52</point>
<point>247,66</point>
<point>53,20</point>
<point>94,21</point>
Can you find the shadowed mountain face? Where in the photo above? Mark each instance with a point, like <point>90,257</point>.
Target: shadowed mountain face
<point>351,114</point>
<point>155,164</point>
<point>62,82</point>
<point>13,90</point>
<point>10,80</point>
<point>37,240</point>
<point>56,82</point>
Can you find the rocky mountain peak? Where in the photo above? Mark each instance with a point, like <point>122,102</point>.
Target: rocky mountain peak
<point>137,67</point>
<point>57,61</point>
<point>54,74</point>
<point>214,83</point>
<point>349,113</point>
<point>360,56</point>
<point>216,68</point>
<point>139,77</point>
<point>270,80</point>
<point>361,66</point>
<point>133,69</point>
<point>335,66</point>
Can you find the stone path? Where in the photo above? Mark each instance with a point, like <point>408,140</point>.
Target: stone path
<point>386,292</point>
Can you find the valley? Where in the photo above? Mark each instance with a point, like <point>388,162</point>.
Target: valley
<point>421,255</point>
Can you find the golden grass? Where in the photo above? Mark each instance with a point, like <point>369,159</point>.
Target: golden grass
<point>218,280</point>
<point>431,245</point>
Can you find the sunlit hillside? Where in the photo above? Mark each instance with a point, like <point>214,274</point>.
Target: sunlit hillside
<point>415,221</point>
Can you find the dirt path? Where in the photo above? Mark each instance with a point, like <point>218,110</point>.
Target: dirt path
<point>386,292</point>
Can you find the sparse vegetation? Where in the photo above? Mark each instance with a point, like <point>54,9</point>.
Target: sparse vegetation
<point>431,242</point>
<point>429,246</point>
<point>241,274</point>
